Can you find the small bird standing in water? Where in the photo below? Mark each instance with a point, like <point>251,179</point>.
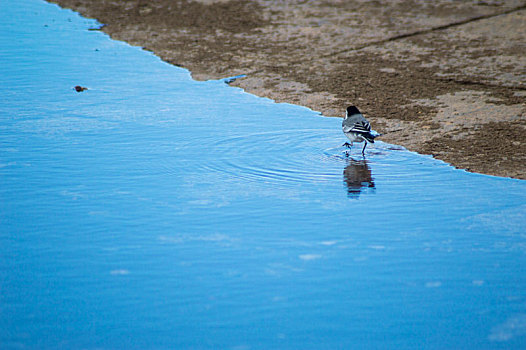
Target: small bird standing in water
<point>357,128</point>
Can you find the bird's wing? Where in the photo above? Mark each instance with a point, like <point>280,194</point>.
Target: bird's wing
<point>347,128</point>
<point>356,123</point>
<point>361,126</point>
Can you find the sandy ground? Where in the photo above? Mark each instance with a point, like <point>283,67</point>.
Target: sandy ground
<point>443,77</point>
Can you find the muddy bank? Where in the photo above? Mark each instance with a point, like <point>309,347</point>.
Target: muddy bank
<point>442,78</point>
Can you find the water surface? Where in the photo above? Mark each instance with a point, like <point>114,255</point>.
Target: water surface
<point>154,211</point>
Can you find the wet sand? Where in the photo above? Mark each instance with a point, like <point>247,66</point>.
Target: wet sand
<point>441,78</point>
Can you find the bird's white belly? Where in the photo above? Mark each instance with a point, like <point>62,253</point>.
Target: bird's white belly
<point>353,137</point>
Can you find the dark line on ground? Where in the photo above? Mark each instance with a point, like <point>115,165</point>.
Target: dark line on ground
<point>412,34</point>
<point>478,83</point>
<point>427,31</point>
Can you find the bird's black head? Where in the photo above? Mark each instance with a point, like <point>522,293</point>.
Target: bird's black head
<point>351,110</point>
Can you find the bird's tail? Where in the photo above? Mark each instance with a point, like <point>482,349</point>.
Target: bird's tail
<point>371,135</point>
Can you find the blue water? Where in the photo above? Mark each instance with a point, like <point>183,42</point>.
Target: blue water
<point>156,212</point>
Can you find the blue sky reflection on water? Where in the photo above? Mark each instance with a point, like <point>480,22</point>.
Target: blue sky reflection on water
<point>154,211</point>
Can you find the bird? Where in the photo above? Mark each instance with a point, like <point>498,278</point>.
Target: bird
<point>357,128</point>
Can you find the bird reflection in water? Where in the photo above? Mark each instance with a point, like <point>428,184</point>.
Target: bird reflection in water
<point>357,177</point>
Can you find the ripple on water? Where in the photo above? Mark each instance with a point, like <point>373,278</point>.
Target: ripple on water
<point>288,156</point>
<point>294,156</point>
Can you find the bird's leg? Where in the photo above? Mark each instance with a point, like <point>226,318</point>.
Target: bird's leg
<point>363,150</point>
<point>347,144</point>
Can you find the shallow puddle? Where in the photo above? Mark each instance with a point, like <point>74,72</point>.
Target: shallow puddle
<point>154,211</point>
